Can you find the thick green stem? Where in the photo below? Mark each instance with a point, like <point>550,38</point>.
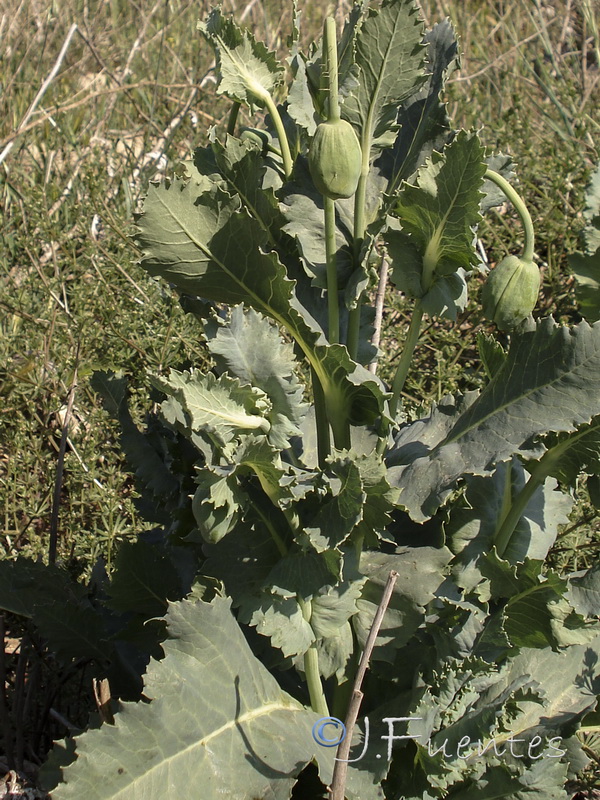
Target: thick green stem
<point>233,115</point>
<point>360,227</point>
<point>520,208</point>
<point>341,429</point>
<point>330,46</point>
<point>406,357</point>
<point>540,472</point>
<point>333,310</point>
<point>321,421</point>
<point>311,667</point>
<point>311,657</point>
<point>518,506</point>
<point>281,134</point>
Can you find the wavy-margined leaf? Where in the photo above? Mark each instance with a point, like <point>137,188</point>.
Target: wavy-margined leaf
<point>543,780</point>
<point>245,67</point>
<point>420,574</point>
<point>355,496</point>
<point>145,578</point>
<point>491,353</point>
<point>199,238</point>
<point>147,452</point>
<point>217,723</point>
<point>280,619</point>
<point>220,406</point>
<point>537,613</point>
<point>573,453</point>
<point>250,348</point>
<point>423,121</point>
<point>549,382</point>
<point>220,499</point>
<point>472,526</point>
<point>437,217</point>
<point>584,592</point>
<point>300,105</point>
<point>242,168</point>
<point>389,55</point>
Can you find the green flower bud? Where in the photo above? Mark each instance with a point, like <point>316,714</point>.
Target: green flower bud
<point>335,159</point>
<point>510,293</point>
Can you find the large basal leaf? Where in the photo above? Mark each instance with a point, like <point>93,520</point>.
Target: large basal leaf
<point>246,68</point>
<point>198,237</point>
<point>217,725</point>
<point>389,55</point>
<point>437,216</point>
<point>550,381</point>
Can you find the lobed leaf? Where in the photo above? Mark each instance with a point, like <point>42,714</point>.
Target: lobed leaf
<point>437,216</point>
<point>389,55</point>
<point>246,69</point>
<point>549,382</point>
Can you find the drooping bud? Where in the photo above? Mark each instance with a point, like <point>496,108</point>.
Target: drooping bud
<point>510,293</point>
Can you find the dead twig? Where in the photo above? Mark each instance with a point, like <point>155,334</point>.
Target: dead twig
<point>60,467</point>
<point>337,789</point>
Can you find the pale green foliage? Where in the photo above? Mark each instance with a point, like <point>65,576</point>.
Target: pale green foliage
<point>283,508</point>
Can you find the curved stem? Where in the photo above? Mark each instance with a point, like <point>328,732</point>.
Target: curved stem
<point>233,115</point>
<point>281,134</point>
<point>537,477</point>
<point>330,47</point>
<point>520,208</point>
<point>406,357</point>
<point>318,702</point>
<point>519,504</point>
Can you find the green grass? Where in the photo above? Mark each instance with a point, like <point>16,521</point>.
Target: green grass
<point>138,79</point>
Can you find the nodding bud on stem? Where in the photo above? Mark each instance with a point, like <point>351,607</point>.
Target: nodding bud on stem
<point>510,293</point>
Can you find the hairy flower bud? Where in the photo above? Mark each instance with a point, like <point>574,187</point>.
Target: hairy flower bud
<point>510,293</point>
